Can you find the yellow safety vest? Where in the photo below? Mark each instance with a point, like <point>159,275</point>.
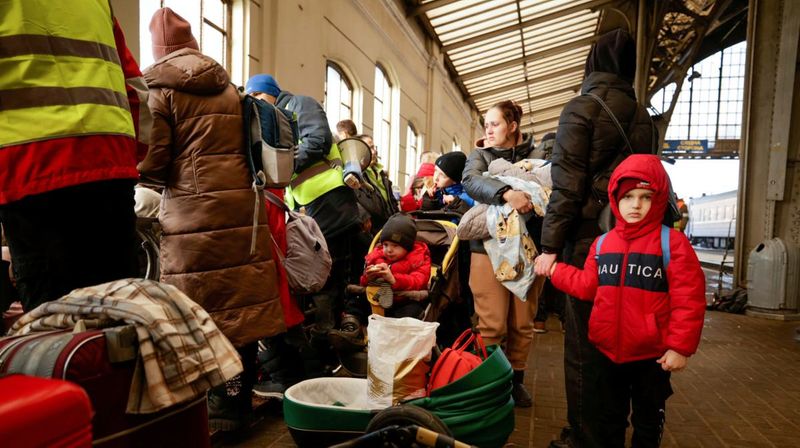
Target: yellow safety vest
<point>60,74</point>
<point>317,179</point>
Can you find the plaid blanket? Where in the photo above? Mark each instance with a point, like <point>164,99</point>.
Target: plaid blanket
<point>182,353</point>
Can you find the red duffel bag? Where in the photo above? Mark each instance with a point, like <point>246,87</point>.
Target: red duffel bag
<point>455,362</point>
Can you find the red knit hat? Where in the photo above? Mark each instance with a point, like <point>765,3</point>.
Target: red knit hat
<point>426,170</point>
<point>629,183</point>
<point>170,32</point>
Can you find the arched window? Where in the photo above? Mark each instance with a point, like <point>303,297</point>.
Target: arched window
<point>210,21</point>
<point>413,143</point>
<point>382,119</point>
<point>338,96</point>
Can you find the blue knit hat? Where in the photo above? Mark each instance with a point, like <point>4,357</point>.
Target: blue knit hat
<point>263,84</point>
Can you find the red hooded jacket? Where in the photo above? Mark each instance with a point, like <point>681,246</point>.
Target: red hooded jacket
<point>411,273</point>
<point>640,310</point>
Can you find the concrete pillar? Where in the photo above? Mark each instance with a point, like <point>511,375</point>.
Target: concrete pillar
<point>769,190</point>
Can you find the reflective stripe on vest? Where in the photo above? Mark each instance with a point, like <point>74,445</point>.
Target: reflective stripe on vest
<point>327,180</point>
<point>60,74</point>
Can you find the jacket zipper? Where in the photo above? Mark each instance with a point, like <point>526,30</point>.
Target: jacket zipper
<point>624,268</point>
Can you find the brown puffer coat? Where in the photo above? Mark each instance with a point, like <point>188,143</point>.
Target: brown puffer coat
<point>207,209</point>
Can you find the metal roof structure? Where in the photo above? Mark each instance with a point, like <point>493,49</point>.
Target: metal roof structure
<point>533,51</point>
<point>529,51</point>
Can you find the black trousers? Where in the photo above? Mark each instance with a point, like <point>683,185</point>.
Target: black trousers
<point>70,238</point>
<point>329,301</point>
<point>551,301</point>
<point>582,361</point>
<point>643,384</point>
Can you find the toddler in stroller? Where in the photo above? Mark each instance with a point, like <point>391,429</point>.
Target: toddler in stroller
<point>399,263</point>
<point>431,296</point>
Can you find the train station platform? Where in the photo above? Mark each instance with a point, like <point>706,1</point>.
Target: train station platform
<point>740,390</point>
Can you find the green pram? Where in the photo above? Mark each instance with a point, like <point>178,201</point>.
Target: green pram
<point>477,408</point>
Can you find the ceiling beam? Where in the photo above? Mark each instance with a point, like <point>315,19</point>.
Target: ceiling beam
<point>576,88</point>
<point>522,25</point>
<point>547,77</point>
<point>542,54</point>
<point>544,111</point>
<point>422,9</point>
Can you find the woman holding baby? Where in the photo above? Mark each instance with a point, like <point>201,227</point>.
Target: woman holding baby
<point>502,317</point>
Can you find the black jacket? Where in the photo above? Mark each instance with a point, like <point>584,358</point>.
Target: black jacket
<point>485,189</point>
<point>587,143</point>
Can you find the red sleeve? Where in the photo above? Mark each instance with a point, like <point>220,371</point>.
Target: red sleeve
<point>580,283</point>
<point>408,203</point>
<point>417,279</point>
<point>687,287</point>
<point>136,89</point>
<point>370,259</point>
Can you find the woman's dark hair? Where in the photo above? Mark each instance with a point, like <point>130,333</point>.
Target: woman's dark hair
<point>512,112</point>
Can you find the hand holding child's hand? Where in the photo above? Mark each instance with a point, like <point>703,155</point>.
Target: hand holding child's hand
<point>544,265</point>
<point>672,361</point>
<point>448,198</point>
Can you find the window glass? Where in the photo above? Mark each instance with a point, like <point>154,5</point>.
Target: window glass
<point>412,152</point>
<point>710,103</point>
<point>382,119</point>
<point>209,19</point>
<point>338,100</point>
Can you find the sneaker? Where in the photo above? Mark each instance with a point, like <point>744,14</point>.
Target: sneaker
<point>522,398</point>
<point>539,327</point>
<point>270,389</point>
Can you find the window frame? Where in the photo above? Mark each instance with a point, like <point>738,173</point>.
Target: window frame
<point>226,29</point>
<point>382,116</point>
<point>345,80</point>
<point>412,150</point>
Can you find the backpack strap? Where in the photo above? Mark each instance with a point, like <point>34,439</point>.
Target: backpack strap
<point>665,251</point>
<point>599,245</point>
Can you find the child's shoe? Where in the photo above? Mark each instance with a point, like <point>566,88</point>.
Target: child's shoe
<point>539,327</point>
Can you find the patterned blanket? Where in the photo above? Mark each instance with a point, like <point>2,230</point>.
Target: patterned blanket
<point>182,353</point>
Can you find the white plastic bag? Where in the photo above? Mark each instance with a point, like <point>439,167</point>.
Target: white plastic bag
<point>398,359</point>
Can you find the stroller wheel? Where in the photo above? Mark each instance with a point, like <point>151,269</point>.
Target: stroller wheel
<point>407,414</point>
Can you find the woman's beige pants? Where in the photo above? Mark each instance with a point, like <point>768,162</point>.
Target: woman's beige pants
<point>503,318</point>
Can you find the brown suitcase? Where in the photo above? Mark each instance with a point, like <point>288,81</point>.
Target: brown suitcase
<point>102,363</point>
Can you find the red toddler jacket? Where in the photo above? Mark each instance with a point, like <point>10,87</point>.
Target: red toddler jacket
<point>640,308</point>
<point>411,273</point>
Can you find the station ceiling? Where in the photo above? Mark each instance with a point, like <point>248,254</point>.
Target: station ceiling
<point>533,51</point>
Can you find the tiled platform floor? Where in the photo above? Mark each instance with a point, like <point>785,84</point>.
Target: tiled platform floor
<point>742,389</point>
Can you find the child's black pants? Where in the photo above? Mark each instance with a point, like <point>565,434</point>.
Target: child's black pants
<point>641,383</point>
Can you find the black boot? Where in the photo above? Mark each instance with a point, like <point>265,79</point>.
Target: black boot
<point>225,412</point>
<point>522,398</point>
<point>349,338</point>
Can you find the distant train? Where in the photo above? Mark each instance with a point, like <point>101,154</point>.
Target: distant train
<point>712,220</point>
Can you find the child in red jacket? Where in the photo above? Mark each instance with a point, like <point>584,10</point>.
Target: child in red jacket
<point>649,300</point>
<point>400,263</point>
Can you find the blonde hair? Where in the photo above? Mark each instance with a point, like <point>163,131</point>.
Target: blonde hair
<point>429,157</point>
